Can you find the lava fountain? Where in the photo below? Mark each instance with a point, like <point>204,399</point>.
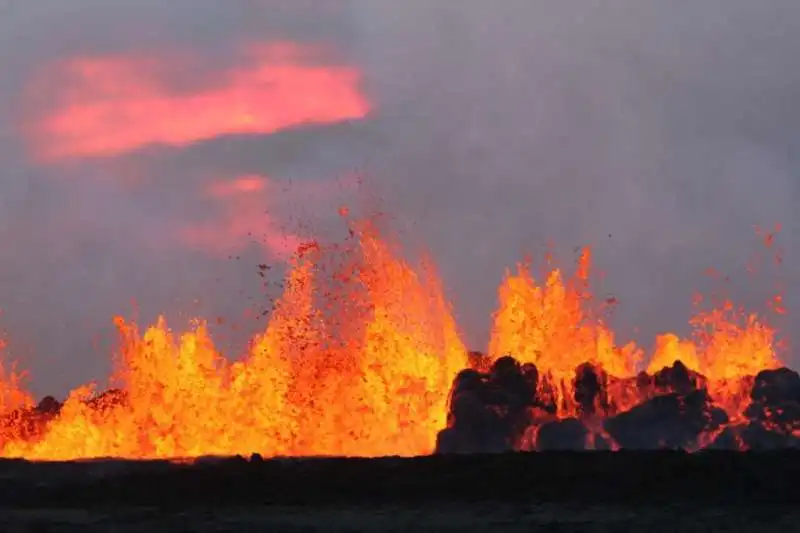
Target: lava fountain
<point>362,357</point>
<point>359,364</point>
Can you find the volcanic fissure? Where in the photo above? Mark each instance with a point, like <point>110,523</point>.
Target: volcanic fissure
<point>362,357</point>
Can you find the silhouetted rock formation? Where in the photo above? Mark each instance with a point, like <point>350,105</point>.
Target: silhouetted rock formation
<point>566,434</point>
<point>511,406</point>
<point>591,386</point>
<point>30,423</point>
<point>671,421</point>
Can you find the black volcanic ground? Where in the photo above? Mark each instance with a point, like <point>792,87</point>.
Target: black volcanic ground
<point>644,487</point>
<point>602,491</point>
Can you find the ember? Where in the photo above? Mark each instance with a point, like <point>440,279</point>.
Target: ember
<point>362,357</point>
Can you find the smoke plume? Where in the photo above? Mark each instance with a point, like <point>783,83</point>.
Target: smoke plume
<point>658,134</point>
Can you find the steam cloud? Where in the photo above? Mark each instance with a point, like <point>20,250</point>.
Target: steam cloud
<point>496,127</point>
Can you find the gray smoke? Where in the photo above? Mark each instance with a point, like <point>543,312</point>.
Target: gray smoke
<point>670,127</point>
<point>657,133</point>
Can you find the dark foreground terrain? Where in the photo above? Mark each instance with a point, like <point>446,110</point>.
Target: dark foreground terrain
<point>628,491</point>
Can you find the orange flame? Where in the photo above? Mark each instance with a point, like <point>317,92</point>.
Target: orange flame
<point>552,327</point>
<point>12,394</point>
<point>357,359</point>
<point>380,389</point>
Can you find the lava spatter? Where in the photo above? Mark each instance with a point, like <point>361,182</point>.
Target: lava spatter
<point>362,357</point>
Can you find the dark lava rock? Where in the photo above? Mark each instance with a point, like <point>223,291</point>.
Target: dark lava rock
<point>568,434</point>
<point>728,439</point>
<point>452,441</point>
<point>784,416</point>
<point>670,421</point>
<point>511,406</point>
<point>28,423</point>
<point>474,427</point>
<point>458,440</point>
<point>643,380</point>
<point>676,378</point>
<point>590,389</point>
<point>468,380</point>
<point>489,411</point>
<point>48,406</point>
<point>776,401</point>
<point>531,375</point>
<point>468,411</point>
<point>108,399</point>
<point>754,436</point>
<point>510,387</point>
<point>773,387</point>
<point>762,437</point>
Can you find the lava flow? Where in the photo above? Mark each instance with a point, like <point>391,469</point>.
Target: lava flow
<point>362,357</point>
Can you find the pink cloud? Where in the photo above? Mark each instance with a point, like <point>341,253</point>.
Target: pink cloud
<point>111,105</point>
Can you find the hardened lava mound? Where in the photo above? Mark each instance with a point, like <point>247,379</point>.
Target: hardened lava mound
<point>512,407</point>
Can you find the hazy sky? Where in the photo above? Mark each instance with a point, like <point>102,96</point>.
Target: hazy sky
<point>488,129</point>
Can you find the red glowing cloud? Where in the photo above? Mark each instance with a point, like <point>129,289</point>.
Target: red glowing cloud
<point>112,105</point>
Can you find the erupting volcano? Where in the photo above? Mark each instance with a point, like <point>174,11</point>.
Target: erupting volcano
<point>362,357</point>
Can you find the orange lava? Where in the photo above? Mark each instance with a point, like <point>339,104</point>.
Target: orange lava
<point>379,386</point>
<point>12,394</point>
<point>358,359</point>
<point>552,326</point>
<point>112,105</point>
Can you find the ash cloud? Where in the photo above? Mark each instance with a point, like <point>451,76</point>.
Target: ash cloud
<point>671,127</point>
<point>498,127</point>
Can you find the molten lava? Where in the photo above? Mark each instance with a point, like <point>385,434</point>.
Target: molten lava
<point>373,383</point>
<point>358,358</point>
<point>552,327</point>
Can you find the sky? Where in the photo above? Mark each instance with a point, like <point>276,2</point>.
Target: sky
<point>154,153</point>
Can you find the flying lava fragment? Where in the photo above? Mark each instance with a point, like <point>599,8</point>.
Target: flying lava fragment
<point>362,357</point>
